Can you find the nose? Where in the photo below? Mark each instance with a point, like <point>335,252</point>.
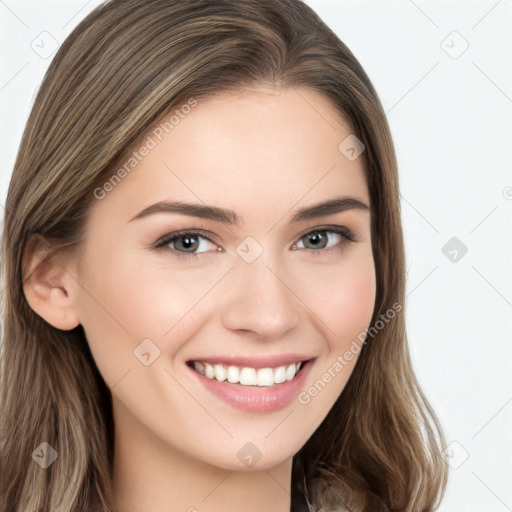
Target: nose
<point>259,300</point>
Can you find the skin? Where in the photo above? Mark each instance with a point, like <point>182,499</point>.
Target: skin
<point>264,153</point>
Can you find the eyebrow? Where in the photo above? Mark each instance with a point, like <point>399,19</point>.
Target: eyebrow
<point>226,216</point>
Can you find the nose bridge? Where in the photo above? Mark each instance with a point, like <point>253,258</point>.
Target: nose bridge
<point>259,299</point>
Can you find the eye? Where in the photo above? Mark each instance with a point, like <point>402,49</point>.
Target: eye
<point>183,243</point>
<point>319,238</point>
<point>191,244</point>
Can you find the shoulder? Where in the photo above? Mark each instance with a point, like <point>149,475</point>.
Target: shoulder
<point>339,497</point>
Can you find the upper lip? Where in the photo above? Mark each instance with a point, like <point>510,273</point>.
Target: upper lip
<point>262,361</point>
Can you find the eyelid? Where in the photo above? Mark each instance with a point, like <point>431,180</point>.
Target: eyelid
<point>347,235</point>
<point>162,242</point>
<point>169,237</point>
<point>329,227</point>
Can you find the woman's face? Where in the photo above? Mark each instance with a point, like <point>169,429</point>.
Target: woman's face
<point>259,288</point>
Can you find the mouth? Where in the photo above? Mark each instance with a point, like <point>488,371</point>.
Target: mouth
<point>247,376</point>
<point>264,389</point>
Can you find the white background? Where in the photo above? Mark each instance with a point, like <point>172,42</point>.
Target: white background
<point>450,113</point>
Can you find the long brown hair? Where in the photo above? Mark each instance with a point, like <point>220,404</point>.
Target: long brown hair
<point>127,64</point>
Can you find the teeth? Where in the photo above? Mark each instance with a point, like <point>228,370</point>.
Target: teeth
<point>220,372</point>
<point>247,376</point>
<point>291,371</point>
<point>265,377</point>
<point>233,374</point>
<point>280,375</point>
<point>209,371</point>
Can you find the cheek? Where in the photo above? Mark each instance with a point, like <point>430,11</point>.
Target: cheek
<point>354,303</point>
<point>128,301</point>
<point>342,296</point>
<point>343,310</point>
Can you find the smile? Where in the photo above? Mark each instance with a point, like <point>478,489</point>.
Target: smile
<point>267,388</point>
<point>246,375</point>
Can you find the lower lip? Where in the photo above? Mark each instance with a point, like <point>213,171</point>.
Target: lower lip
<point>266,399</point>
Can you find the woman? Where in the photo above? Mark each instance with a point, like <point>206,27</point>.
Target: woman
<point>176,334</point>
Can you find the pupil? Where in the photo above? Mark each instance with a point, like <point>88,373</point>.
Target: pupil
<point>315,239</point>
<point>187,242</point>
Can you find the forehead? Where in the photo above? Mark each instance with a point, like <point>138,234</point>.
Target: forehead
<point>254,151</point>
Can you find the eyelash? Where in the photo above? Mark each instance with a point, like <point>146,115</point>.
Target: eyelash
<point>162,243</point>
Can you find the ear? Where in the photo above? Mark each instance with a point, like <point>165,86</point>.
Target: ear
<point>48,286</point>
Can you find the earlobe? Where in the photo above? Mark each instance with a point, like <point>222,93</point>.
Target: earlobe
<point>47,289</point>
